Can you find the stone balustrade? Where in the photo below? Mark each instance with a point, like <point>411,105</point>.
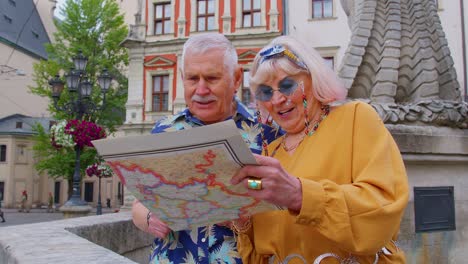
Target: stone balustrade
<point>110,238</point>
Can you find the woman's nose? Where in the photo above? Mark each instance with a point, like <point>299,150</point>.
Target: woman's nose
<point>277,97</point>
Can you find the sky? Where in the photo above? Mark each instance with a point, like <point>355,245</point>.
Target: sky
<point>60,4</point>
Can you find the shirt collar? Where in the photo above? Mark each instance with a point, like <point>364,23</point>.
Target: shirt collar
<point>241,113</point>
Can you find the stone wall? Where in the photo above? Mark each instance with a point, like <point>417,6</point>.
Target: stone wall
<point>435,156</point>
<point>92,239</point>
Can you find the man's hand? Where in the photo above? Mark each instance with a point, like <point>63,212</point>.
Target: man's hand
<point>157,227</point>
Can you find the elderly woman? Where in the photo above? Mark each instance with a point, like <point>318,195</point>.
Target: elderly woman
<point>337,169</point>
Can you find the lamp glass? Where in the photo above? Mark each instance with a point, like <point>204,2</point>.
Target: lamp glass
<point>104,80</point>
<point>57,86</point>
<point>86,88</point>
<point>73,80</point>
<point>80,61</point>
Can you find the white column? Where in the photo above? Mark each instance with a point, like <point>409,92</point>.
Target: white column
<point>273,15</point>
<point>181,21</point>
<point>134,105</point>
<point>227,17</point>
<point>179,101</point>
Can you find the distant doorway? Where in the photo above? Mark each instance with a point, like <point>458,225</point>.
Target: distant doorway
<point>57,192</point>
<point>120,194</point>
<point>88,191</point>
<point>2,191</point>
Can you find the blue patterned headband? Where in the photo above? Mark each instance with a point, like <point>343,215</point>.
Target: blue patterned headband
<point>278,51</point>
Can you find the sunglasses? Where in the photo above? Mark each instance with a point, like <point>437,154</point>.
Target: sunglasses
<point>287,87</point>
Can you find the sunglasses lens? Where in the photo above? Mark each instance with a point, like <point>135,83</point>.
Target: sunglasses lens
<point>263,93</point>
<point>287,86</point>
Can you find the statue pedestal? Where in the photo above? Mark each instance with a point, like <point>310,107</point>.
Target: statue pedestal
<point>72,211</point>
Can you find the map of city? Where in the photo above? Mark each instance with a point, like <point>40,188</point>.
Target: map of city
<point>183,177</point>
<point>188,188</point>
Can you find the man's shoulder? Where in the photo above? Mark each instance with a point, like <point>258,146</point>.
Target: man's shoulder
<point>172,123</point>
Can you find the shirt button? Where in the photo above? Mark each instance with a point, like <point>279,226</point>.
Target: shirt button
<point>203,240</point>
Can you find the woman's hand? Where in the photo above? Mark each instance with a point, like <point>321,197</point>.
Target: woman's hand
<point>278,186</point>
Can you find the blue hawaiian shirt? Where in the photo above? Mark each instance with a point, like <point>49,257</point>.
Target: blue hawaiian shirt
<point>214,243</point>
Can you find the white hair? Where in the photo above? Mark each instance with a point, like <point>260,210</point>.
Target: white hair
<point>326,87</point>
<point>206,42</point>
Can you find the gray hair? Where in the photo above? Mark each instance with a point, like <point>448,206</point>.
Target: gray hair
<point>206,42</point>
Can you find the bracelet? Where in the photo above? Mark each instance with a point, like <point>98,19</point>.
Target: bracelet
<point>148,216</point>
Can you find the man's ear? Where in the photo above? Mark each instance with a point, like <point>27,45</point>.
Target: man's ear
<point>237,77</point>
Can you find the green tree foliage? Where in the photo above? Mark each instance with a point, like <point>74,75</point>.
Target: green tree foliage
<point>96,27</point>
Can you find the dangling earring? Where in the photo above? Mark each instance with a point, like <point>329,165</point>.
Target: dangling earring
<point>262,132</point>
<point>306,115</point>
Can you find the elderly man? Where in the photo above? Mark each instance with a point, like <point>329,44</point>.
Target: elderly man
<point>211,77</point>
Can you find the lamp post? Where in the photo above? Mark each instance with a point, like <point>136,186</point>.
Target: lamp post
<point>79,87</point>
<point>99,205</point>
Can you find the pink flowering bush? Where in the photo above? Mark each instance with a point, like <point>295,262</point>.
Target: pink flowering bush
<point>76,132</point>
<point>99,170</point>
<point>84,132</point>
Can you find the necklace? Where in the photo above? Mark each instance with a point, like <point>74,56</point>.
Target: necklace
<point>325,111</point>
<point>294,146</point>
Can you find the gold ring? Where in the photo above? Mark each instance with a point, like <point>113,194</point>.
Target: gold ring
<point>254,183</point>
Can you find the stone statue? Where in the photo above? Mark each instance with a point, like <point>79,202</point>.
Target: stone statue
<point>398,59</point>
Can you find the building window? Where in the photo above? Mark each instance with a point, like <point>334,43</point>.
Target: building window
<point>8,19</point>
<point>330,62</point>
<point>322,8</point>
<point>21,154</point>
<point>162,19</point>
<point>160,93</point>
<point>3,149</point>
<point>247,98</point>
<point>251,13</point>
<point>19,124</point>
<point>205,15</point>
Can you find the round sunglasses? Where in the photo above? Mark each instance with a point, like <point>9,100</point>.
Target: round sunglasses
<point>287,87</point>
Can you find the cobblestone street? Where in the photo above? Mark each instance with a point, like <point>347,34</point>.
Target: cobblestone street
<point>13,217</point>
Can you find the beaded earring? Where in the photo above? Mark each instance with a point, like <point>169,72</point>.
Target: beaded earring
<point>262,132</point>
<point>306,115</point>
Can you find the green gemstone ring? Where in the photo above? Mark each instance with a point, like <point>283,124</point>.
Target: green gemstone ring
<point>254,183</point>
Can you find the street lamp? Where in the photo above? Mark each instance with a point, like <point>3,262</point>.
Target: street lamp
<point>79,87</point>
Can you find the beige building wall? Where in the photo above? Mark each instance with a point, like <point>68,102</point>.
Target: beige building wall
<point>15,97</point>
<point>330,36</point>
<point>450,17</point>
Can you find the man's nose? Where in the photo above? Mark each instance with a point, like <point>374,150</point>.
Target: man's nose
<point>202,87</point>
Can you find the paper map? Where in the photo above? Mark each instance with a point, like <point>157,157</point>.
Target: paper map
<point>183,176</point>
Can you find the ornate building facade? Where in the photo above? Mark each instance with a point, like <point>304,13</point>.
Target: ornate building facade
<point>155,48</point>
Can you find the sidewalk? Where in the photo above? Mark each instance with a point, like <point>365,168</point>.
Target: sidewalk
<point>36,215</point>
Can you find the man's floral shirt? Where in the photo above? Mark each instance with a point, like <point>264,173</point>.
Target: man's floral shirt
<point>214,243</point>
